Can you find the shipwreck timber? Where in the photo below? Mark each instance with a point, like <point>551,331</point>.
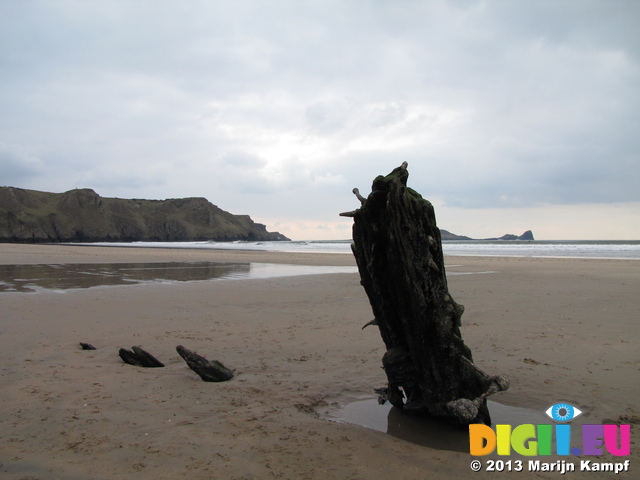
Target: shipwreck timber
<point>398,250</point>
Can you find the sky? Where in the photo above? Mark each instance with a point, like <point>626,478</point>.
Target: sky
<point>512,115</point>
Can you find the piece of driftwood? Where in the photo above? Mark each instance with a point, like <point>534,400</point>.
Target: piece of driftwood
<point>87,346</point>
<point>139,357</point>
<point>208,370</point>
<point>398,250</point>
<point>129,357</point>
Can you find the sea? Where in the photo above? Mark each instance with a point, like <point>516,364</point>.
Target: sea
<point>603,249</point>
<point>63,277</point>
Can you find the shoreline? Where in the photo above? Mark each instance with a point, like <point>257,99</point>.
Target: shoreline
<point>62,253</point>
<point>14,253</point>
<point>559,329</point>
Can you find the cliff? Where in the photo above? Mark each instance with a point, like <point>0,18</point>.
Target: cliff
<point>82,215</point>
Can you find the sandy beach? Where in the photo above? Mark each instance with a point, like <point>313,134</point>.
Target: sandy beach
<point>559,329</point>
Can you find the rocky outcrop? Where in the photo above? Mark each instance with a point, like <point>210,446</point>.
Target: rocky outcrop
<point>528,235</point>
<point>81,215</point>
<point>446,235</point>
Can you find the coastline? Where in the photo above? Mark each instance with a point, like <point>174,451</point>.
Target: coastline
<point>602,249</point>
<point>13,253</point>
<point>559,329</point>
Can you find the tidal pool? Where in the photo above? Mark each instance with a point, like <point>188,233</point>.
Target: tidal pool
<point>428,432</point>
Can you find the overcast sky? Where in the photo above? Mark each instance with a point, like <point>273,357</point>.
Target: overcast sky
<point>513,115</point>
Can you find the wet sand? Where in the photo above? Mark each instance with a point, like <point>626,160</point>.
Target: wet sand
<point>559,329</point>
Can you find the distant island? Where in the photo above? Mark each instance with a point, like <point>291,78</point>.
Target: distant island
<point>446,235</point>
<point>81,215</point>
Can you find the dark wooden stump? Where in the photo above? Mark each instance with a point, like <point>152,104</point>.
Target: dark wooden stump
<point>209,371</point>
<point>139,357</point>
<point>398,249</point>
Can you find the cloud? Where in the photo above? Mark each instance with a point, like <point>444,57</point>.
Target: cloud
<point>284,106</point>
<point>17,165</point>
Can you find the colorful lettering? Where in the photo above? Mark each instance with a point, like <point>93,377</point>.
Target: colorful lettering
<point>563,439</point>
<point>531,440</point>
<point>544,439</point>
<point>611,439</point>
<point>503,437</point>
<point>523,440</point>
<point>482,440</point>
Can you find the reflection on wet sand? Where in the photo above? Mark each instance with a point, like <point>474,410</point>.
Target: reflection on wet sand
<point>32,278</point>
<point>428,432</point>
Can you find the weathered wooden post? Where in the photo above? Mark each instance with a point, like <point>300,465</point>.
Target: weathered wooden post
<point>398,250</point>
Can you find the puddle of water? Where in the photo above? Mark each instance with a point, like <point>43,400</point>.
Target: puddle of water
<point>428,432</point>
<point>33,278</point>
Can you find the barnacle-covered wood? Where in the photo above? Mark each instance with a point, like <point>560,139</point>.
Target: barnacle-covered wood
<point>398,250</point>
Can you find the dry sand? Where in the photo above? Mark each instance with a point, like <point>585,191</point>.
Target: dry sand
<point>560,329</point>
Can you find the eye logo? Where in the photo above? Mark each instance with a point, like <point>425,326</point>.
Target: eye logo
<point>563,412</point>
